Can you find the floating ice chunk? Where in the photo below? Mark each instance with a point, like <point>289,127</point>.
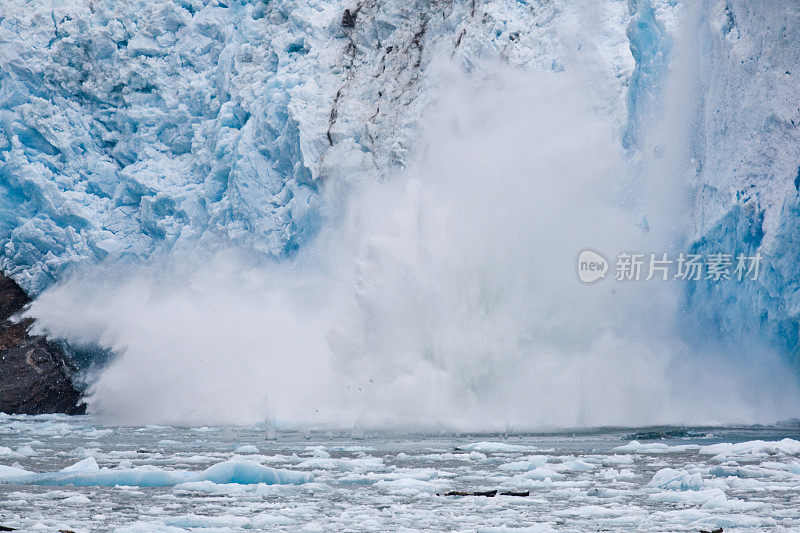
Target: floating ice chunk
<point>249,472</point>
<point>351,449</point>
<point>626,473</point>
<point>635,446</point>
<point>577,465</point>
<point>471,456</point>
<point>746,471</point>
<point>266,521</point>
<point>78,499</point>
<point>86,465</point>
<point>199,521</point>
<point>527,463</point>
<point>614,474</point>
<point>538,528</point>
<point>368,478</point>
<point>21,451</point>
<point>319,452</point>
<point>609,460</point>
<point>751,449</point>
<point>350,465</point>
<point>708,498</point>
<point>10,474</point>
<point>319,463</point>
<point>605,492</point>
<point>597,511</point>
<point>702,519</point>
<point>248,449</point>
<point>543,474</point>
<point>150,527</point>
<point>25,451</point>
<point>411,487</point>
<point>97,433</point>
<point>228,489</point>
<point>517,466</point>
<point>494,447</point>
<point>793,467</point>
<point>87,473</point>
<point>670,478</point>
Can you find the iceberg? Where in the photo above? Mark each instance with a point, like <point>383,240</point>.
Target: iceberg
<point>87,473</point>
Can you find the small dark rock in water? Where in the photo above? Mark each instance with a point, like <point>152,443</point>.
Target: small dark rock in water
<point>35,374</point>
<point>663,433</point>
<point>487,493</point>
<point>6,528</point>
<point>718,530</point>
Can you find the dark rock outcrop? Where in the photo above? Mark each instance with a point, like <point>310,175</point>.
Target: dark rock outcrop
<point>487,493</point>
<point>35,374</point>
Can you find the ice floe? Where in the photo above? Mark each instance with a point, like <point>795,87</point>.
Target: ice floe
<point>88,473</point>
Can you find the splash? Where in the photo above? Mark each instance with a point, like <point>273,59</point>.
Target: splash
<point>446,296</point>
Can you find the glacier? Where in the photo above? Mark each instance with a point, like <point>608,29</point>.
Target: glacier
<point>744,194</point>
<point>744,145</point>
<point>158,129</point>
<point>137,128</point>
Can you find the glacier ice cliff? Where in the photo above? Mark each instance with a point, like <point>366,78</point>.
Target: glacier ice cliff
<point>744,191</point>
<point>743,141</point>
<point>133,129</point>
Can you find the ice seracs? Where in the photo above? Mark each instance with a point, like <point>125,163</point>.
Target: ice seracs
<point>136,128</point>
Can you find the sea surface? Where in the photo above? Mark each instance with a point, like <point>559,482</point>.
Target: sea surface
<point>158,478</point>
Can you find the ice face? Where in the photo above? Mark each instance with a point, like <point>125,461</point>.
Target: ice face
<point>745,189</point>
<point>734,78</point>
<point>140,129</point>
<point>137,128</point>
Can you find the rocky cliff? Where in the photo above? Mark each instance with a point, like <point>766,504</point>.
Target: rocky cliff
<point>35,374</point>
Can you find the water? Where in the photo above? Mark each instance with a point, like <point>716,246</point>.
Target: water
<point>362,481</point>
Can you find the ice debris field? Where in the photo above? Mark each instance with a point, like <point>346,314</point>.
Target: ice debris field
<point>69,473</point>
